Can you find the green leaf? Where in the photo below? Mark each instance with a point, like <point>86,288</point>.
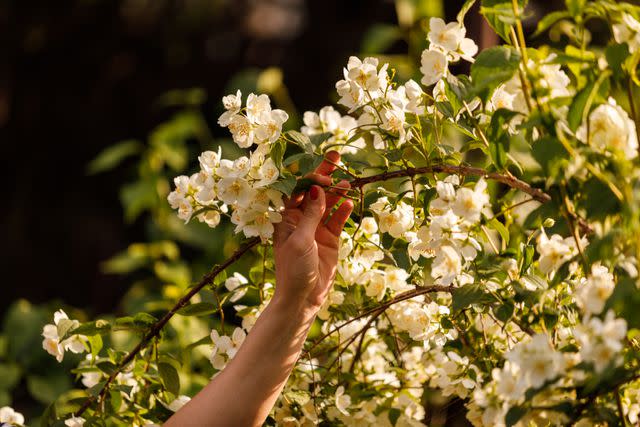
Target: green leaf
<point>598,200</point>
<point>505,311</point>
<point>198,309</point>
<point>379,38</point>
<point>499,14</point>
<point>107,367</point>
<point>501,229</point>
<point>112,156</point>
<point>499,149</point>
<point>170,378</point>
<point>97,327</point>
<point>575,7</point>
<point>285,185</point>
<point>464,9</point>
<point>514,414</point>
<point>616,56</point>
<point>577,110</point>
<point>549,20</point>
<point>319,138</point>
<point>301,140</point>
<point>493,67</point>
<point>551,155</point>
<point>467,295</point>
<point>277,152</point>
<point>309,163</point>
<point>65,326</point>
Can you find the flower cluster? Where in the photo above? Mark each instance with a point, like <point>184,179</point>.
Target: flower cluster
<point>341,128</point>
<point>53,342</point>
<point>447,44</point>
<point>449,235</point>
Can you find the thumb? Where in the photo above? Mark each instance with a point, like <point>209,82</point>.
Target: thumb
<point>314,207</point>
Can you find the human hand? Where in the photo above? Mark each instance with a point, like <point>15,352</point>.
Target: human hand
<point>306,242</point>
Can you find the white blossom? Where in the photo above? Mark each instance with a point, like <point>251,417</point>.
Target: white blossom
<point>593,292</point>
<point>610,128</point>
<point>9,416</point>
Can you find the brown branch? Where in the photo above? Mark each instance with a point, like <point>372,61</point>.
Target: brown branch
<point>157,327</point>
<point>511,181</point>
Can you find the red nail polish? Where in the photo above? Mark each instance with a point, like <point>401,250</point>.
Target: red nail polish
<point>314,192</point>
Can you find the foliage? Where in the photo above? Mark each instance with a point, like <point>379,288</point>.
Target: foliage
<point>492,256</point>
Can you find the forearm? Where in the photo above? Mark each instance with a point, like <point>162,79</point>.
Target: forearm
<point>245,391</point>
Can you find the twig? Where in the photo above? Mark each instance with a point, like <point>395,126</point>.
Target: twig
<point>511,181</point>
<point>157,327</point>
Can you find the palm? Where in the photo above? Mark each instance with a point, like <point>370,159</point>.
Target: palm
<point>306,258</point>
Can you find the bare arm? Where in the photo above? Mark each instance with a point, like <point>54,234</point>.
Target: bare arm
<point>246,390</point>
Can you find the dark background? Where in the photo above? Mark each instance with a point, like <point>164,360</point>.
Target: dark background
<point>79,75</point>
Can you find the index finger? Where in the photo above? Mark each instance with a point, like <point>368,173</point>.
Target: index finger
<point>329,164</point>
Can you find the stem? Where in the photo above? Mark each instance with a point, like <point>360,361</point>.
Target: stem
<point>157,327</point>
<point>511,181</point>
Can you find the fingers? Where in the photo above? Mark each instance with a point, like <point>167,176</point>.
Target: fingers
<point>327,166</point>
<point>339,218</point>
<point>334,195</point>
<point>294,201</point>
<point>321,176</point>
<point>313,210</point>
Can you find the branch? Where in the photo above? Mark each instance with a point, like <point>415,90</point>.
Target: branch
<point>379,310</point>
<point>157,327</point>
<point>511,181</point>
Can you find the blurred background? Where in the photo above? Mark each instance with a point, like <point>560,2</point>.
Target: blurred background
<point>102,102</point>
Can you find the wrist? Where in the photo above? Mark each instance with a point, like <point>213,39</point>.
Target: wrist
<point>294,305</point>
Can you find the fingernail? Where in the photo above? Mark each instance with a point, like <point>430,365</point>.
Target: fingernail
<point>314,192</point>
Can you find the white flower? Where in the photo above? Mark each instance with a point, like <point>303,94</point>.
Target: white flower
<point>343,401</point>
<point>537,360</point>
<point>447,265</point>
<point>470,203</point>
<point>415,96</point>
<point>610,128</point>
<point>232,104</point>
<point>341,127</point>
<point>433,66</point>
<point>270,125</point>
<point>365,73</point>
<point>446,36</point>
<point>241,131</point>
<point>628,31</point>
<point>90,379</point>
<point>256,106</point>
<point>376,285</point>
<point>601,341</point>
<point>210,160</point>
<point>593,292</point>
<point>225,346</point>
<point>267,174</point>
<point>396,279</point>
<point>510,383</point>
<point>52,343</point>
<point>369,225</point>
<point>555,251</point>
<point>395,222</point>
<point>11,417</point>
<point>177,403</point>
<point>75,422</point>
<point>234,282</point>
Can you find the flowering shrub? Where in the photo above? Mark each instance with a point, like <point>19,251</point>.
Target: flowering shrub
<point>492,256</point>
